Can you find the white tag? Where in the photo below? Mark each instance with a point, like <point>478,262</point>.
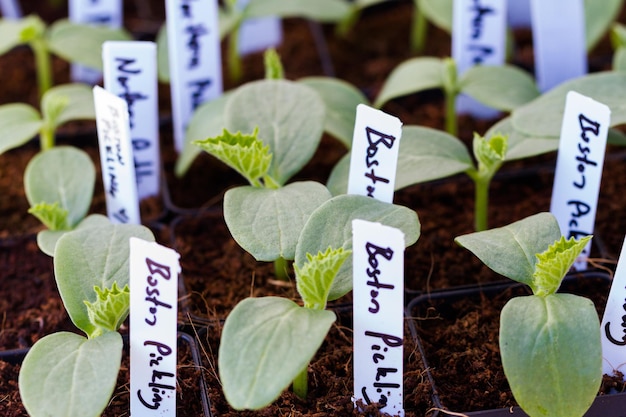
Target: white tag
<point>378,294</point>
<point>478,38</point>
<point>614,321</point>
<point>154,273</point>
<point>559,42</point>
<point>93,12</point>
<point>10,9</point>
<point>116,157</point>
<point>258,34</point>
<point>374,155</point>
<point>195,60</point>
<point>518,13</point>
<point>130,73</point>
<point>579,167</point>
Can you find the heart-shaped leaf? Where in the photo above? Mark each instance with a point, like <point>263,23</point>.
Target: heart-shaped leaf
<point>19,123</point>
<point>411,76</point>
<point>47,239</point>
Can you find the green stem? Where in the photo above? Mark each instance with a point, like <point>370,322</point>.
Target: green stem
<point>281,266</point>
<point>418,31</point>
<point>344,26</point>
<point>46,138</point>
<point>234,60</point>
<point>43,65</point>
<point>301,383</point>
<point>481,202</point>
<point>451,122</point>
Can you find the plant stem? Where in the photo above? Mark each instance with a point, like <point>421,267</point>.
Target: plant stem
<point>234,60</point>
<point>481,202</point>
<point>43,65</point>
<point>46,138</point>
<point>301,383</point>
<point>451,125</point>
<point>418,31</point>
<point>281,267</point>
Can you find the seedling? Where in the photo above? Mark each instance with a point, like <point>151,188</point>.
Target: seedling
<point>59,187</point>
<point>66,374</point>
<point>268,342</point>
<point>549,342</point>
<point>85,40</point>
<point>20,122</point>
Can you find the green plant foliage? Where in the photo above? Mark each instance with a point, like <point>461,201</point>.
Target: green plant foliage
<point>19,123</point>
<point>330,225</point>
<point>65,374</point>
<point>290,119</point>
<point>110,309</point>
<point>317,275</point>
<point>47,239</point>
<point>439,12</point>
<point>51,215</point>
<point>411,76</point>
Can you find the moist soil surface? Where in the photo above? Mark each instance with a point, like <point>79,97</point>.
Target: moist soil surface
<point>217,273</point>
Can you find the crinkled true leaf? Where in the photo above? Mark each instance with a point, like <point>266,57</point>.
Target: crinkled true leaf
<point>425,154</point>
<point>18,123</point>
<point>85,40</point>
<point>551,353</point>
<point>511,250</point>
<point>243,152</point>
<point>67,102</point>
<point>65,374</point>
<point>273,66</point>
<point>411,76</point>
<point>207,121</point>
<point>489,152</point>
<point>267,222</point>
<point>341,100</point>
<point>110,309</point>
<point>331,225</point>
<point>266,342</point>
<point>47,239</point>
<point>315,278</point>
<point>554,263</point>
<point>53,216</point>
<point>65,175</point>
<point>318,10</point>
<point>290,118</point>
<point>503,87</point>
<point>92,256</point>
<point>439,12</point>
<point>543,116</point>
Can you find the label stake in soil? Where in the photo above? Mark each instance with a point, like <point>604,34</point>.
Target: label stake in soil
<point>130,73</point>
<point>116,157</point>
<point>378,292</point>
<point>154,271</point>
<point>579,168</point>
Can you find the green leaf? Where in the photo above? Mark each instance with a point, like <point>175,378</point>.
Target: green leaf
<point>489,152</point>
<point>551,353</point>
<point>85,40</point>
<point>554,263</point>
<point>439,12</point>
<point>619,60</point>
<point>268,222</point>
<point>32,29</point>
<point>207,121</point>
<point>341,100</point>
<point>521,145</point>
<point>511,250</point>
<point>273,67</point>
<point>18,123</point>
<point>65,175</point>
<point>290,118</point>
<point>326,11</point>
<point>110,309</point>
<point>92,256</point>
<point>245,153</point>
<point>65,374</point>
<point>503,87</point>
<point>265,343</point>
<point>598,18</point>
<point>47,239</point>
<point>67,102</point>
<point>331,225</point>
<point>425,154</point>
<point>163,63</point>
<point>11,33</point>
<point>315,278</point>
<point>411,76</point>
<point>543,116</point>
<point>52,215</point>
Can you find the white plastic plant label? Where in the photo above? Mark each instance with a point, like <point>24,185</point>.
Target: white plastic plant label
<point>378,294</point>
<point>579,166</point>
<point>93,12</point>
<point>194,59</point>
<point>130,73</point>
<point>10,9</point>
<point>154,271</point>
<point>559,42</point>
<point>374,155</point>
<point>614,321</point>
<point>116,157</point>
<point>478,38</point>
<point>258,34</point>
